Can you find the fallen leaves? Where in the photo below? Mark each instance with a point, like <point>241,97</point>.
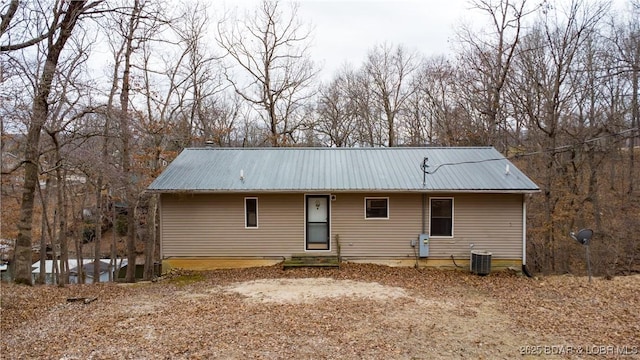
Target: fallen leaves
<point>439,315</point>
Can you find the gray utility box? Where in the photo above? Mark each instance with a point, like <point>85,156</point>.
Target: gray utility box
<point>480,262</point>
<point>423,243</point>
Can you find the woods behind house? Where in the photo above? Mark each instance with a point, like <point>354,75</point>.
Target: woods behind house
<point>97,97</point>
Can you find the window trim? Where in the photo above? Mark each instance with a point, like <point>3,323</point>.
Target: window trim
<point>246,218</point>
<point>452,216</point>
<point>386,198</point>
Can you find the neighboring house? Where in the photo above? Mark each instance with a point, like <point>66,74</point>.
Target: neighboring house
<point>365,204</point>
<point>87,268</point>
<point>73,270</point>
<point>49,270</point>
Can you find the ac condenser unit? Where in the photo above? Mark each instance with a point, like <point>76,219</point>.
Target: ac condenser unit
<point>480,262</point>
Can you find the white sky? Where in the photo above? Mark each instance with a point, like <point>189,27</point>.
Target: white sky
<point>344,31</point>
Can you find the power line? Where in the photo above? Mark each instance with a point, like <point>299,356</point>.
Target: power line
<point>557,149</point>
<point>568,147</point>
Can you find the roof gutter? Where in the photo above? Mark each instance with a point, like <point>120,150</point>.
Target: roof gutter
<point>298,191</point>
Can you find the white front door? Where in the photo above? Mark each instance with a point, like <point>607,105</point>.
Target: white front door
<point>317,218</point>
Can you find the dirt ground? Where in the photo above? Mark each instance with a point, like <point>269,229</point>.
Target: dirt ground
<point>356,312</point>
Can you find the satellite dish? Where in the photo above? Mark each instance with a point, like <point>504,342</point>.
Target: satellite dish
<point>583,236</point>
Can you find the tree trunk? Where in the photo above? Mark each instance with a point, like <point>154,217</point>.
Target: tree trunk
<point>113,268</point>
<point>635,114</point>
<point>44,198</point>
<point>98,229</point>
<point>75,231</point>
<point>126,136</point>
<point>40,112</point>
<point>392,125</point>
<point>549,205</point>
<point>593,195</point>
<point>63,228</point>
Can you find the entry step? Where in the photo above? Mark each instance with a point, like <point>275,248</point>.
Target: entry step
<point>304,260</point>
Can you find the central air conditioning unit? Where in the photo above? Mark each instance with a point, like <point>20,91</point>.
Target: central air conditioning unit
<point>480,262</point>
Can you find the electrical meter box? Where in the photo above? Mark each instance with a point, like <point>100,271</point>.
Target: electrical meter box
<point>423,243</point>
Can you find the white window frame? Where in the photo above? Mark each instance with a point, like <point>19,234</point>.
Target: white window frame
<point>452,216</point>
<point>377,198</point>
<point>245,212</point>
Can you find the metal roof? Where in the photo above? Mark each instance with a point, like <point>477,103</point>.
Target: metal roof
<point>455,169</point>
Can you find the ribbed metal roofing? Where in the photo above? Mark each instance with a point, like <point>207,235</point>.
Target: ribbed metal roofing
<point>459,169</point>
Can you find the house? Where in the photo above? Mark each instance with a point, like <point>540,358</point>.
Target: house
<point>398,206</point>
<point>87,269</point>
<point>49,269</point>
<point>73,270</point>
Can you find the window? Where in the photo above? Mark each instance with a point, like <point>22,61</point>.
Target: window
<point>376,208</point>
<point>250,212</point>
<point>441,210</point>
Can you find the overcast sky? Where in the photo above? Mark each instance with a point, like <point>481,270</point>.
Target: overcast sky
<point>344,31</point>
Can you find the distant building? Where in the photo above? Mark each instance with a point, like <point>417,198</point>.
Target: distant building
<point>73,270</point>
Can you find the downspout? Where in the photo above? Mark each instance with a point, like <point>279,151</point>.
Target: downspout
<point>424,213</point>
<point>524,236</point>
<point>159,233</point>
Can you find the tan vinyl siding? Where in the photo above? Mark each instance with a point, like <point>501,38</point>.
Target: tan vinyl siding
<point>360,237</point>
<point>491,222</point>
<point>213,226</point>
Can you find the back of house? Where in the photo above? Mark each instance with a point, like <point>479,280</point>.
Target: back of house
<point>398,206</point>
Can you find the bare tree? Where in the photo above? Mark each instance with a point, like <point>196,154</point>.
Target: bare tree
<point>182,93</point>
<point>337,111</point>
<point>26,25</point>
<point>7,16</point>
<point>389,70</point>
<point>369,130</point>
<point>549,57</point>
<point>487,57</point>
<point>271,49</point>
<point>127,30</point>
<point>64,19</point>
<point>626,51</point>
<point>65,133</point>
<point>140,26</point>
<point>117,46</point>
<point>430,115</point>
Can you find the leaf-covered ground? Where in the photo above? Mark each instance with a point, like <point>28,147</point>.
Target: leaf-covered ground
<point>358,311</point>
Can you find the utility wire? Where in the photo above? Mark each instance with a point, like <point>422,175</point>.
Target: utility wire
<point>557,149</point>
